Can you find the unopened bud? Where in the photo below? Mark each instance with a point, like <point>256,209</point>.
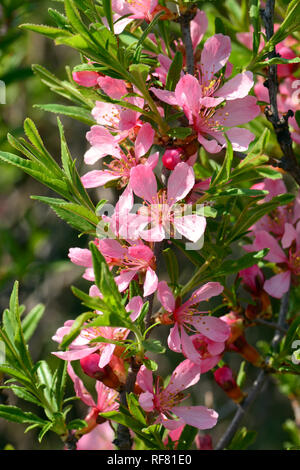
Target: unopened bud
<point>225,380</point>
<point>171,158</point>
<point>112,375</point>
<point>247,351</point>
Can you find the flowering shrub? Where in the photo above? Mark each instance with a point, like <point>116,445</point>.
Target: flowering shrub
<point>177,130</point>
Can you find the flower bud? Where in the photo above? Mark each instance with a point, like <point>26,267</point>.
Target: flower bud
<point>236,324</point>
<point>86,78</point>
<point>112,375</point>
<point>225,380</point>
<point>171,158</point>
<point>204,442</point>
<point>247,351</point>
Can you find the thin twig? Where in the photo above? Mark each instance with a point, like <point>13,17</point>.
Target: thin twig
<point>123,439</point>
<point>280,123</point>
<point>185,19</point>
<point>270,324</point>
<point>257,385</point>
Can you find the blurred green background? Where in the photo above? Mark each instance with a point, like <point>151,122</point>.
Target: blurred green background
<point>34,243</point>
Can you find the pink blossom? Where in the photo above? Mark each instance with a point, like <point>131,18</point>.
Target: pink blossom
<point>164,401</point>
<point>171,158</point>
<point>121,164</point>
<point>137,9</point>
<point>96,436</point>
<point>276,220</point>
<point>82,347</point>
<point>279,284</point>
<point>131,260</point>
<point>200,100</point>
<point>212,331</point>
<point>100,438</point>
<point>161,210</point>
<point>86,78</point>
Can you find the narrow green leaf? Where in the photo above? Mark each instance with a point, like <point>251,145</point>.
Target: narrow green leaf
<point>31,321</point>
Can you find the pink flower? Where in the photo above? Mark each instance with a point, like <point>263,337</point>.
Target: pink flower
<point>198,26</point>
<point>209,351</point>
<point>225,380</point>
<point>106,397</point>
<point>211,330</point>
<point>289,264</point>
<point>164,401</point>
<point>131,260</point>
<point>82,347</point>
<point>171,158</point>
<point>100,438</point>
<point>96,436</point>
<point>200,99</point>
<point>136,9</point>
<point>161,211</point>
<point>86,78</point>
<point>119,168</point>
<point>276,220</point>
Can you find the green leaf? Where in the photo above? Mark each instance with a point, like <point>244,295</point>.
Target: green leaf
<point>75,112</point>
<point>47,427</point>
<point>151,365</point>
<point>79,217</point>
<point>254,14</point>
<point>45,378</point>
<point>31,321</point>
<point>246,261</point>
<point>172,265</point>
<point>154,345</point>
<point>35,138</point>
<point>140,72</point>
<point>48,31</point>
<point>77,424</point>
<point>15,373</point>
<point>75,329</point>
<point>15,414</point>
<point>174,72</point>
<point>180,132</point>
<point>112,298</point>
<point>224,172</point>
<point>37,172</point>
<point>144,36</point>
<point>242,439</point>
<point>241,377</point>
<point>22,393</point>
<point>292,333</point>
<point>135,409</point>
<point>187,437</point>
<point>106,4</point>
<point>133,424</point>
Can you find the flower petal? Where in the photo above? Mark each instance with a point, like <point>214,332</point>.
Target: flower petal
<point>165,296</point>
<point>198,416</point>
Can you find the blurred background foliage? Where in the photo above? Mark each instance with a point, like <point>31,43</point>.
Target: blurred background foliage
<point>34,243</point>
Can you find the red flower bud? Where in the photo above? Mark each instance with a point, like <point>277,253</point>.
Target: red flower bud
<point>247,351</point>
<point>204,442</point>
<point>225,380</point>
<point>112,375</point>
<point>171,157</point>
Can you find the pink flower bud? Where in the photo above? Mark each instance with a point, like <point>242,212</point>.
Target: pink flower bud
<point>171,158</point>
<point>86,78</point>
<point>225,380</point>
<point>112,375</point>
<point>204,442</point>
